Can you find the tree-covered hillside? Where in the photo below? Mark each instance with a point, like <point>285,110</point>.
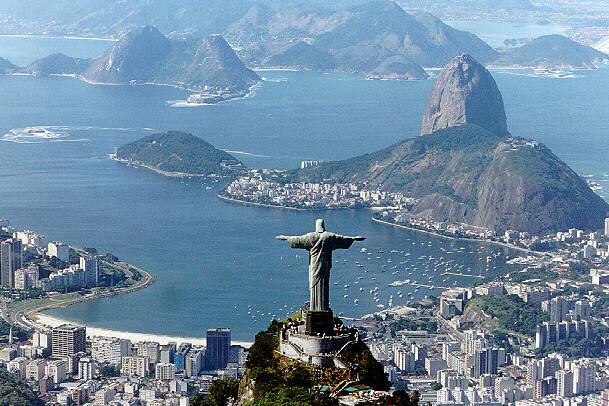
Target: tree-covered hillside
<point>180,153</point>
<point>15,392</point>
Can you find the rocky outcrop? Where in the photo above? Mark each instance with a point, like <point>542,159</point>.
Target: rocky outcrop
<point>465,93</point>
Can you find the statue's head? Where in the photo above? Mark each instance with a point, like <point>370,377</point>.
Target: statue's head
<point>320,226</point>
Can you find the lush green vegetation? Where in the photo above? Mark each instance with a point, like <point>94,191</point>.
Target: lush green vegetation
<point>532,273</point>
<point>15,392</point>
<point>512,313</point>
<point>109,371</point>
<point>276,379</point>
<point>294,396</point>
<point>429,325</point>
<point>398,398</point>
<point>574,347</point>
<point>220,392</point>
<point>19,333</point>
<point>176,151</point>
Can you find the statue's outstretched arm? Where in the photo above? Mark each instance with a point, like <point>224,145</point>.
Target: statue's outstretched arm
<point>298,241</point>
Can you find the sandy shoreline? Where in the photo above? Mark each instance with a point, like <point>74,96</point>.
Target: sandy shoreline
<point>50,321</point>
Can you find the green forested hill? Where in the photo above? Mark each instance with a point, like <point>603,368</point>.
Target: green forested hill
<point>178,152</point>
<point>15,392</point>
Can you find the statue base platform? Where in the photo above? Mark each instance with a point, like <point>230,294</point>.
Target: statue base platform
<point>318,322</point>
<point>321,351</point>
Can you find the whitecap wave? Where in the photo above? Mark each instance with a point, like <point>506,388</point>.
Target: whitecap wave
<point>34,135</point>
<point>247,153</point>
<point>55,133</point>
<point>276,80</point>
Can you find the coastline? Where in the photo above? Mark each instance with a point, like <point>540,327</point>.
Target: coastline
<point>272,206</point>
<point>109,39</point>
<point>28,313</point>
<point>251,90</point>
<point>157,170</point>
<point>448,237</point>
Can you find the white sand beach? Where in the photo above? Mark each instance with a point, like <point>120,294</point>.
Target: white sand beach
<point>50,321</point>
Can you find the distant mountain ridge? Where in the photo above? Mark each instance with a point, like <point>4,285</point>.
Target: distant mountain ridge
<point>359,39</point>
<point>553,52</point>
<point>462,173</point>
<point>146,56</point>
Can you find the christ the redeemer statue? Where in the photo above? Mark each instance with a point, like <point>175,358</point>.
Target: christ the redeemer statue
<point>320,245</point>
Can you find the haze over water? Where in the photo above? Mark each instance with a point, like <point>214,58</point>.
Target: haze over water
<point>215,261</point>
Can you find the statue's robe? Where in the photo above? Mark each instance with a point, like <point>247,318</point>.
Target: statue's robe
<point>320,247</point>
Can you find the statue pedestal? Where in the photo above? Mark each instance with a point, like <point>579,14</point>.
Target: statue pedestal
<point>316,342</point>
<point>319,351</point>
<point>319,322</point>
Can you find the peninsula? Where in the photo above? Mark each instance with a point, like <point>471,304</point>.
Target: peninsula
<point>465,171</point>
<point>179,154</point>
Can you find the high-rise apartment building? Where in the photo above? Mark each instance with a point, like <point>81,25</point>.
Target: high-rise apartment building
<point>109,350</point>
<point>68,340</point>
<point>86,368</point>
<point>165,371</point>
<point>11,258</point>
<point>218,345</point>
<point>135,366</point>
<point>90,266</point>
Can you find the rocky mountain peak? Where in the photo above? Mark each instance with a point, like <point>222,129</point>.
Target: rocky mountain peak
<point>465,93</point>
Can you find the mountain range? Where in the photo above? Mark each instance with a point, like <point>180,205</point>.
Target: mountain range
<point>374,38</point>
<point>469,169</point>
<point>145,55</point>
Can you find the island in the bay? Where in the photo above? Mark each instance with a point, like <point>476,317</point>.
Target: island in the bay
<point>180,154</point>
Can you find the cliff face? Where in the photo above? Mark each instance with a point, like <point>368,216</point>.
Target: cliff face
<point>468,169</point>
<point>465,93</point>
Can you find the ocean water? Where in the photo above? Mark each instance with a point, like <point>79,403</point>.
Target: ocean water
<point>217,263</point>
<point>495,32</point>
<point>23,50</point>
